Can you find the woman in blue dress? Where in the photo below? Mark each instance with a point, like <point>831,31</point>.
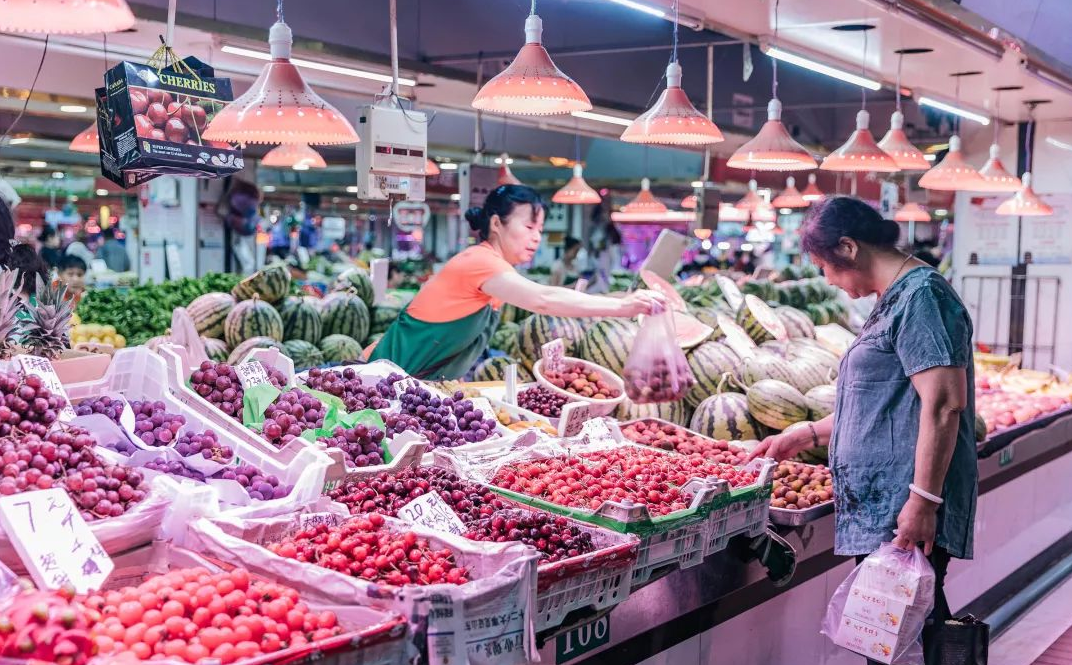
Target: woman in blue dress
<point>902,435</point>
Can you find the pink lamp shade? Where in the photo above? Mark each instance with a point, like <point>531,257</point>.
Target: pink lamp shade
<point>750,201</point>
<point>953,173</point>
<point>995,176</point>
<point>506,176</point>
<point>772,149</point>
<point>577,191</point>
<point>86,141</point>
<point>860,153</point>
<point>1025,202</point>
<point>280,107</point>
<point>297,156</point>
<point>645,201</point>
<point>532,84</point>
<point>812,192</point>
<point>912,212</point>
<point>673,120</point>
<point>65,17</point>
<point>689,202</point>
<point>896,144</point>
<point>790,197</point>
<point>430,168</point>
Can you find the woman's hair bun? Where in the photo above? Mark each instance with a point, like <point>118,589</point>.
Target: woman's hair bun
<point>476,218</point>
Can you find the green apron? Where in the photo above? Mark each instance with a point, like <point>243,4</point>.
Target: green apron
<point>437,351</point>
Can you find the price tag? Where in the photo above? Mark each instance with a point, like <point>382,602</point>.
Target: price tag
<point>43,369</point>
<point>574,415</point>
<point>730,292</point>
<point>126,417</point>
<point>511,384</point>
<point>53,540</point>
<point>404,384</point>
<point>379,271</point>
<point>432,511</point>
<point>251,374</point>
<point>596,429</point>
<point>581,285</point>
<point>553,352</point>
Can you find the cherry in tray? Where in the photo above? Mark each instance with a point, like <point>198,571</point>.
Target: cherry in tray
<point>668,436</point>
<point>542,401</point>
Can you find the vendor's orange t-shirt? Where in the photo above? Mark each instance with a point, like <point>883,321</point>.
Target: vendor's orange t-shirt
<point>454,292</point>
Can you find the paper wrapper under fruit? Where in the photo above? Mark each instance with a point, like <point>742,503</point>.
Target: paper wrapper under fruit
<point>488,620</point>
<point>656,370</point>
<point>151,122</point>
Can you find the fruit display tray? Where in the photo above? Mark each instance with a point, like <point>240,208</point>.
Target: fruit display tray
<point>660,421</point>
<point>786,517</point>
<point>597,407</point>
<point>744,510</point>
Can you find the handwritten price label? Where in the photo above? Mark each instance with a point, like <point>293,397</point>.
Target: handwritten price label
<point>553,353</point>
<point>574,416</point>
<point>431,511</point>
<point>596,429</point>
<point>251,374</point>
<point>403,385</point>
<point>43,369</point>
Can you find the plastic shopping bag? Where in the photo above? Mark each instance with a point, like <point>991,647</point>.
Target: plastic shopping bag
<point>881,607</point>
<point>656,370</point>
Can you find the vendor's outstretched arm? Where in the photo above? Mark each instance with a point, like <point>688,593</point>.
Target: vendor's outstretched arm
<point>512,288</point>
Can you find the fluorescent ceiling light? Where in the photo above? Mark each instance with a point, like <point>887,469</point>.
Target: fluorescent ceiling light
<point>73,108</point>
<point>37,164</point>
<point>20,140</point>
<point>833,72</point>
<point>351,189</point>
<point>448,166</point>
<point>697,184</point>
<point>102,192</point>
<point>58,175</point>
<point>455,197</point>
<point>949,108</point>
<point>603,117</point>
<point>941,212</point>
<point>300,166</point>
<point>641,7</point>
<point>723,245</point>
<point>930,157</point>
<point>320,66</point>
<point>353,207</point>
<point>268,188</point>
<point>1049,139</point>
<point>509,160</point>
<point>785,211</point>
<point>746,247</point>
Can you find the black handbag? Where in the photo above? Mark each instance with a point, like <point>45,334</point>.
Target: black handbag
<point>964,641</point>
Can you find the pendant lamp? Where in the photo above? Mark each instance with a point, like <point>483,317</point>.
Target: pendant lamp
<point>750,201</point>
<point>532,84</point>
<point>1025,202</point>
<point>860,153</point>
<point>86,140</point>
<point>645,201</point>
<point>994,175</point>
<point>812,192</point>
<point>673,120</point>
<point>790,197</point>
<point>772,149</point>
<point>297,156</point>
<point>506,176</point>
<point>689,202</point>
<point>430,168</point>
<point>280,107</point>
<point>953,173</point>
<point>577,191</point>
<point>65,17</point>
<point>912,212</point>
<point>895,143</point>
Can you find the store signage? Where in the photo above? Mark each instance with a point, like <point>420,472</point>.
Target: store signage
<point>581,640</point>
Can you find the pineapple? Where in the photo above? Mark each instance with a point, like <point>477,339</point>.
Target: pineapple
<point>10,307</point>
<point>48,332</point>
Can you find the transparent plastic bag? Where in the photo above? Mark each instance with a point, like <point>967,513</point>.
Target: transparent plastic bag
<point>881,607</point>
<point>656,370</point>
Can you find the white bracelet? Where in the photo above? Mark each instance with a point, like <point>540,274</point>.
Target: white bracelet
<point>925,494</point>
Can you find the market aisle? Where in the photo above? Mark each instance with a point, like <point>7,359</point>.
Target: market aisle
<point>1048,625</point>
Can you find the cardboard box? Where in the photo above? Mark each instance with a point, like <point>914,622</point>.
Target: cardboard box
<point>867,640</point>
<point>875,609</point>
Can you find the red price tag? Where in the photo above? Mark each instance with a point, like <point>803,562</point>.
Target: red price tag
<point>553,353</point>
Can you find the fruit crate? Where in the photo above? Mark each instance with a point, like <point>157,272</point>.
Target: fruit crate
<point>742,510</point>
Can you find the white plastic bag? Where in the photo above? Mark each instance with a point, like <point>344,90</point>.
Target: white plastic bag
<point>881,607</point>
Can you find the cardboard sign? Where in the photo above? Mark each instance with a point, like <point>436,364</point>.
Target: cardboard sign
<point>378,269</point>
<point>511,384</point>
<point>43,369</point>
<point>251,374</point>
<point>553,352</point>
<point>432,511</point>
<point>574,415</point>
<point>53,540</point>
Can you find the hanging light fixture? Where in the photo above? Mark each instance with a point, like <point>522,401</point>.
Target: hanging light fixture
<point>953,174</point>
<point>577,191</point>
<point>812,192</point>
<point>280,107</point>
<point>506,176</point>
<point>532,84</point>
<point>790,197</point>
<point>860,153</point>
<point>993,173</point>
<point>895,143</point>
<point>673,120</point>
<point>645,201</point>
<point>1025,202</point>
<point>86,140</point>
<point>430,168</point>
<point>912,212</point>
<point>750,201</point>
<point>297,156</point>
<point>689,202</point>
<point>65,17</point>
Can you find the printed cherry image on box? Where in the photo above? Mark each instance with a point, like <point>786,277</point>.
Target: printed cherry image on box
<point>151,122</point>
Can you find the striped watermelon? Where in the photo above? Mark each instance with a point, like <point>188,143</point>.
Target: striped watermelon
<point>797,323</point>
<point>810,455</point>
<point>242,350</point>
<point>807,374</point>
<point>765,365</point>
<point>340,348</point>
<point>708,363</point>
<point>358,282</point>
<point>216,349</point>
<point>209,311</point>
<point>382,318</point>
<point>303,353</point>
<point>675,412</point>
<point>776,404</point>
<point>494,369</point>
<point>759,320</point>
<point>252,318</point>
<point>301,320</point>
<point>373,339</point>
<point>725,417</point>
<point>344,313</point>
<point>505,339</point>
<point>513,314</point>
<point>607,343</point>
<point>540,329</point>
<point>270,283</point>
<point>820,401</point>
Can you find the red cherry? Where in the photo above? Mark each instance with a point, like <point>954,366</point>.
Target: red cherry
<point>143,126</point>
<point>176,130</point>
<point>157,114</point>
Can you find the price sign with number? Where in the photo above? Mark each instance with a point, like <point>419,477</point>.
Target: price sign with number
<point>574,416</point>
<point>53,540</point>
<point>432,511</point>
<point>43,369</point>
<point>553,353</point>
<point>251,374</point>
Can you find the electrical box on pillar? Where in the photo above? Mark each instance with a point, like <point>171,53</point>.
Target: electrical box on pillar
<point>392,154</point>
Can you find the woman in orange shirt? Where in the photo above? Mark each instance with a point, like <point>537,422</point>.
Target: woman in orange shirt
<point>448,324</point>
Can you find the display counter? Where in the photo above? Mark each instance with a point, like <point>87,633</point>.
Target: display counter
<point>726,611</point>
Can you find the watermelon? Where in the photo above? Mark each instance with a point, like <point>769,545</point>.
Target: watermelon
<point>690,331</point>
<point>304,354</point>
<point>382,318</point>
<point>373,339</point>
<point>513,314</point>
<point>797,323</point>
<point>344,313</point>
<point>252,318</point>
<point>209,311</point>
<point>494,369</point>
<point>358,282</point>
<point>760,321</point>
<point>818,314</point>
<point>820,401</point>
<point>505,339</point>
<point>980,428</point>
<point>340,348</point>
<point>776,404</point>
<point>607,343</point>
<point>674,412</point>
<point>725,417</point>
<point>765,365</point>
<point>271,284</point>
<point>808,373</point>
<point>239,353</point>
<point>790,272</point>
<point>216,349</point>
<point>540,329</point>
<point>708,363</point>
<point>301,320</point>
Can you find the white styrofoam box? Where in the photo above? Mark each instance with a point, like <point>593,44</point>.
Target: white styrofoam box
<point>867,640</point>
<point>875,608</point>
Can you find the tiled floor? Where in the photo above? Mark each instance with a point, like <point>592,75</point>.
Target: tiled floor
<point>1047,626</point>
